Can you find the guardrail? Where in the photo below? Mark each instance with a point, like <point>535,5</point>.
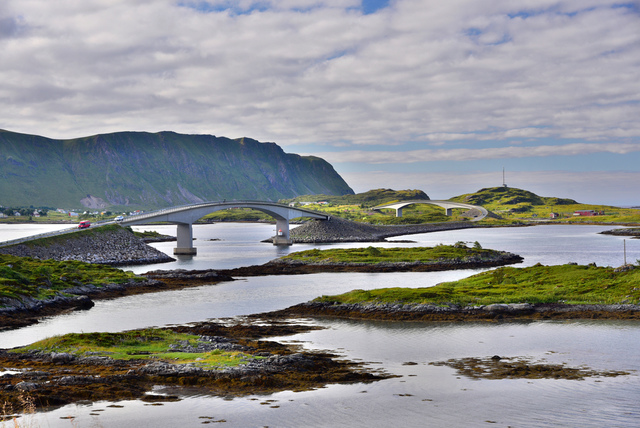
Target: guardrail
<point>52,233</point>
<point>206,204</point>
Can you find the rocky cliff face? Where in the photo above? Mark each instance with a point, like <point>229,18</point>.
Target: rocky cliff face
<point>139,170</point>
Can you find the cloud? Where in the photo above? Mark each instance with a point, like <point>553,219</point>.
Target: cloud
<point>321,71</point>
<point>386,81</point>
<point>431,155</point>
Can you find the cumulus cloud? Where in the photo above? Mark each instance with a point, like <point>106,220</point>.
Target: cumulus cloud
<point>320,71</point>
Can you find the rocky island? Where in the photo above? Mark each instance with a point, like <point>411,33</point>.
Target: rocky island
<point>217,358</point>
<point>537,292</point>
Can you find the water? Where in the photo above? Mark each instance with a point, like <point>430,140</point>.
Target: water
<point>423,395</point>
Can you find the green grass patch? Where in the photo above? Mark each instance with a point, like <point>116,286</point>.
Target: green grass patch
<point>145,344</point>
<point>26,277</point>
<point>572,284</point>
<point>373,255</point>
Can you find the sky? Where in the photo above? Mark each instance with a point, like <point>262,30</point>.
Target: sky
<point>440,96</point>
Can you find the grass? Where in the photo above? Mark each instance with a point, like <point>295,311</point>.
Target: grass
<point>145,344</point>
<point>22,277</point>
<point>146,234</point>
<point>572,284</point>
<point>373,255</point>
<point>515,205</point>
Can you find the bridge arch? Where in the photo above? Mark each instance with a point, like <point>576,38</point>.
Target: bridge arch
<point>186,215</point>
<point>447,205</point>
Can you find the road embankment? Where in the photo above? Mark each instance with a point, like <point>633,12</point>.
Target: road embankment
<point>110,245</point>
<point>337,229</point>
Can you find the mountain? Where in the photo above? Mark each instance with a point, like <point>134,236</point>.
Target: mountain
<point>140,170</point>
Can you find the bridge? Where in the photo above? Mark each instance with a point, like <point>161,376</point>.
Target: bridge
<point>447,205</point>
<point>185,216</point>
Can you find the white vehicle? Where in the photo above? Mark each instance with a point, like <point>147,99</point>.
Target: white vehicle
<point>119,218</point>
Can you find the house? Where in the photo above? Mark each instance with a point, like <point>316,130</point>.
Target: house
<point>587,213</point>
<point>554,215</point>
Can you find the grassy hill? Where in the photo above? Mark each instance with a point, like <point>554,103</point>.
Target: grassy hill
<point>509,196</point>
<point>517,204</point>
<point>370,198</point>
<point>140,170</point>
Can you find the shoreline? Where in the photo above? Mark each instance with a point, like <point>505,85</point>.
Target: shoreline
<point>489,313</point>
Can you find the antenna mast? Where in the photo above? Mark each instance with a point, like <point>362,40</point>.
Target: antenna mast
<point>503,183</point>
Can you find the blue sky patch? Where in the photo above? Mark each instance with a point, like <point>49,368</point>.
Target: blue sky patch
<point>372,6</point>
<point>228,6</point>
<point>368,6</point>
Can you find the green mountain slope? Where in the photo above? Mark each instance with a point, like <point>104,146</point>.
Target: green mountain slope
<point>153,170</point>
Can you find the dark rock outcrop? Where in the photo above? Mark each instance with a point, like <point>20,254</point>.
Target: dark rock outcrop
<point>452,312</point>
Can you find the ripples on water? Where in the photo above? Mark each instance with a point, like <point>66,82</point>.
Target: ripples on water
<point>423,395</point>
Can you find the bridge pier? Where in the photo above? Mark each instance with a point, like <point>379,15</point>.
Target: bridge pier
<point>185,240</point>
<point>282,232</point>
<point>398,212</point>
<point>448,212</point>
<point>185,216</point>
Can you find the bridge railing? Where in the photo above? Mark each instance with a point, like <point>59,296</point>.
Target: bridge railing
<point>50,234</point>
<point>149,215</point>
<point>164,211</point>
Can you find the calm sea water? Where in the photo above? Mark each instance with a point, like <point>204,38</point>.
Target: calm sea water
<point>423,394</point>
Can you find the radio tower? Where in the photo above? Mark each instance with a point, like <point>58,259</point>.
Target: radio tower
<point>503,183</point>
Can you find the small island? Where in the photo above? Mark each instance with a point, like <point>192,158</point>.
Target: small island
<point>535,292</point>
<point>217,358</point>
<point>369,259</point>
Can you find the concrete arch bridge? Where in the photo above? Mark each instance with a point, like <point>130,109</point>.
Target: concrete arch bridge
<point>447,205</point>
<point>186,215</point>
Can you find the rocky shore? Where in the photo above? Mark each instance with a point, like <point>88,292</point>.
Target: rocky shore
<point>58,378</point>
<point>115,246</point>
<point>633,232</point>
<point>337,229</point>
<point>430,312</point>
<point>17,313</point>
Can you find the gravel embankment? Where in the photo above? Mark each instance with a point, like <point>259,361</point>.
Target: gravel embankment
<point>340,230</point>
<point>112,247</point>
